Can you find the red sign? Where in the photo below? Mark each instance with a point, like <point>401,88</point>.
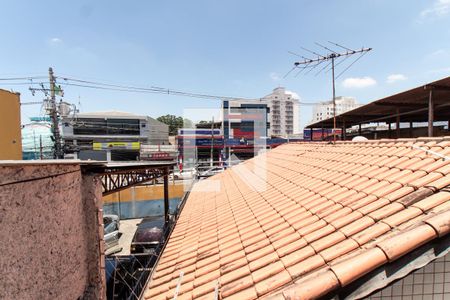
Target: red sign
<point>160,155</point>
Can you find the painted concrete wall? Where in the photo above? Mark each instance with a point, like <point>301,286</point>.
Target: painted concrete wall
<point>142,201</point>
<point>51,233</point>
<point>10,137</point>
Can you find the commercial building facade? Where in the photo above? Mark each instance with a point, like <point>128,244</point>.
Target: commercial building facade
<point>111,135</point>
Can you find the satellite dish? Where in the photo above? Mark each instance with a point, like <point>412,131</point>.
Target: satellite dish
<point>359,138</point>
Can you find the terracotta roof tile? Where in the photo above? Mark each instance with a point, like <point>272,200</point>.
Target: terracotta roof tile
<point>353,268</point>
<point>440,223</point>
<point>432,201</point>
<point>405,242</point>
<point>306,266</point>
<point>339,249</point>
<point>273,282</point>
<point>313,288</point>
<point>349,206</point>
<point>296,256</point>
<point>236,286</point>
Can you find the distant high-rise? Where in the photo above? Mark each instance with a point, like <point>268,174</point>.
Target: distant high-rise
<point>283,114</point>
<point>324,110</point>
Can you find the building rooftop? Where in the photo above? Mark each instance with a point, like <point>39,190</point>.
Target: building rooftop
<point>306,219</point>
<point>111,113</point>
<point>408,106</point>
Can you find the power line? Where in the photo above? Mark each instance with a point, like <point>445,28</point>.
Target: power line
<point>69,81</point>
<point>22,78</point>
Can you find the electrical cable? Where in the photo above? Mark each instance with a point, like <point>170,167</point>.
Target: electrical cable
<point>22,78</point>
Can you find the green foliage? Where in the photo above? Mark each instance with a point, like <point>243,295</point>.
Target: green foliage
<point>175,123</point>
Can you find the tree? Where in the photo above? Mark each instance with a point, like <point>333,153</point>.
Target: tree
<point>174,123</point>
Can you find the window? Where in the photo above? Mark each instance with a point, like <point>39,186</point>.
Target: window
<point>99,126</point>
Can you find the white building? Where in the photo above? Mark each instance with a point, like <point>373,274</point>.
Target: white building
<point>284,115</point>
<point>284,111</point>
<point>111,135</point>
<point>324,110</point>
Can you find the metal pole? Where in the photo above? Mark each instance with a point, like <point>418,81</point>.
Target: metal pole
<point>40,147</point>
<point>34,140</point>
<point>334,99</point>
<point>166,194</point>
<point>359,129</point>
<point>430,114</point>
<point>212,142</point>
<point>397,124</point>
<point>389,130</point>
<point>410,129</point>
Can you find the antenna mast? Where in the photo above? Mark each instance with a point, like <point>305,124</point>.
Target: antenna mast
<point>331,58</point>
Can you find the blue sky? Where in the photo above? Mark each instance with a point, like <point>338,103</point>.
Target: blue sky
<point>233,48</point>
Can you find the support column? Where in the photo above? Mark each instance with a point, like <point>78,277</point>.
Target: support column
<point>344,131</point>
<point>322,131</point>
<point>410,129</point>
<point>359,130</point>
<point>166,194</point>
<point>397,124</point>
<point>430,114</point>
<point>311,137</point>
<point>389,133</point>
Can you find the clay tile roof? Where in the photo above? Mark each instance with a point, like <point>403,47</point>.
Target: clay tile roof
<point>306,219</point>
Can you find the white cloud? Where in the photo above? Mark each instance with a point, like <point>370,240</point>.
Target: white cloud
<point>395,78</point>
<point>361,82</point>
<point>55,41</point>
<point>274,76</point>
<point>438,52</point>
<point>294,95</point>
<point>438,9</point>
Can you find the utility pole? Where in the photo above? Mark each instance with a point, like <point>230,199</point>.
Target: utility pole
<point>57,154</point>
<point>308,63</point>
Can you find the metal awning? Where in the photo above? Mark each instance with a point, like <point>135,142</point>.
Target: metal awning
<point>425,103</point>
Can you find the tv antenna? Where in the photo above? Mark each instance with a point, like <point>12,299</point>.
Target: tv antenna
<point>331,57</point>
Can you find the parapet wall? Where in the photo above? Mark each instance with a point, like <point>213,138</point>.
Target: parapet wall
<point>50,232</point>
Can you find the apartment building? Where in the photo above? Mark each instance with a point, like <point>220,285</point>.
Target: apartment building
<point>324,110</point>
<point>283,111</point>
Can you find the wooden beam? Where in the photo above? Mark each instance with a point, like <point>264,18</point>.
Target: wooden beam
<point>394,104</point>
